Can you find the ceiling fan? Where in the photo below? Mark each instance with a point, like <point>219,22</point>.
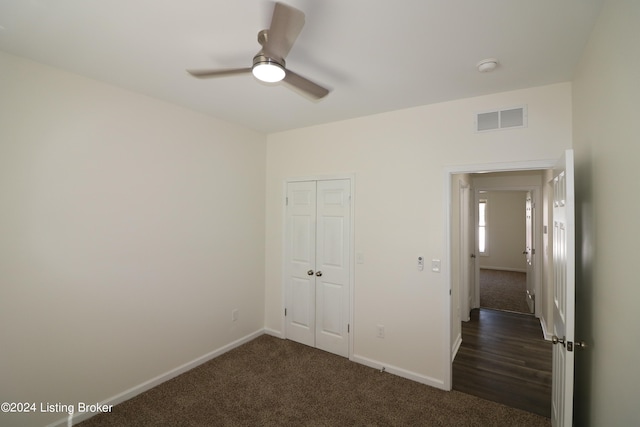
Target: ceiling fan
<point>268,63</point>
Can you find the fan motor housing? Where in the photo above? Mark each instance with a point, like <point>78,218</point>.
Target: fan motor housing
<point>263,59</point>
<point>267,69</point>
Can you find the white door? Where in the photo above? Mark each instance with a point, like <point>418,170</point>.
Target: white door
<point>529,251</point>
<point>318,255</point>
<point>564,291</point>
<point>300,254</point>
<point>332,266</point>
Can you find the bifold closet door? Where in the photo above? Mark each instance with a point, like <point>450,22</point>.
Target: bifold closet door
<point>318,263</point>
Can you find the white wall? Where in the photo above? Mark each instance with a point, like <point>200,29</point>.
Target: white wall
<point>606,135</point>
<point>506,231</point>
<point>399,160</point>
<point>126,228</point>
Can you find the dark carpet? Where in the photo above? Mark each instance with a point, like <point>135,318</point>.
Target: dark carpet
<point>274,382</point>
<point>503,290</point>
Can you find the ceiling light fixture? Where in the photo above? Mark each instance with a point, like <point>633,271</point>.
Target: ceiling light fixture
<point>487,65</point>
<point>267,70</point>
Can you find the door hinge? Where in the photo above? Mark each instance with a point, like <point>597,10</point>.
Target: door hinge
<point>449,291</point>
<point>286,201</point>
<point>348,328</point>
<point>285,312</point>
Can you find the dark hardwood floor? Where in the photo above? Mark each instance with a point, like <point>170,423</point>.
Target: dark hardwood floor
<point>504,358</point>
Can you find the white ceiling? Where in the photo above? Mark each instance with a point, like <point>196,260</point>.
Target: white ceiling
<point>374,55</point>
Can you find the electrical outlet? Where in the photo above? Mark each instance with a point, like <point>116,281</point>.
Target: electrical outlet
<point>380,331</point>
<point>234,315</point>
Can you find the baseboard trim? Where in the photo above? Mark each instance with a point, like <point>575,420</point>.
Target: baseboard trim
<point>456,347</point>
<point>433,382</point>
<point>147,385</point>
<point>545,331</point>
<point>517,270</point>
<point>274,333</point>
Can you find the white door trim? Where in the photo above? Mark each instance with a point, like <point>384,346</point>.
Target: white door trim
<point>465,250</point>
<point>352,179</point>
<point>446,262</point>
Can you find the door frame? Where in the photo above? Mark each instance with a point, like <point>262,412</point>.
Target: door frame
<point>531,244</point>
<point>449,171</point>
<point>284,268</point>
<point>468,233</point>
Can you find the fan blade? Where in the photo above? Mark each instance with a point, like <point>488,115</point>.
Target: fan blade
<point>203,74</point>
<point>286,24</point>
<point>307,86</point>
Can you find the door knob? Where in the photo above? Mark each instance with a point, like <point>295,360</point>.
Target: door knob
<point>556,340</point>
<point>310,272</point>
<point>318,273</point>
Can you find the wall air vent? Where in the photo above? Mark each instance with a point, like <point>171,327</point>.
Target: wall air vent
<point>508,118</point>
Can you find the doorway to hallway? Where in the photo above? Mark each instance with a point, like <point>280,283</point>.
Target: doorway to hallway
<point>561,284</point>
<point>493,360</point>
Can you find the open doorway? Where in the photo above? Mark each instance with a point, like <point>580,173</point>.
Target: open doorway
<point>506,258</point>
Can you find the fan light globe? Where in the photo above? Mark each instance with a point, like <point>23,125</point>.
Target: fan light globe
<point>268,72</point>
